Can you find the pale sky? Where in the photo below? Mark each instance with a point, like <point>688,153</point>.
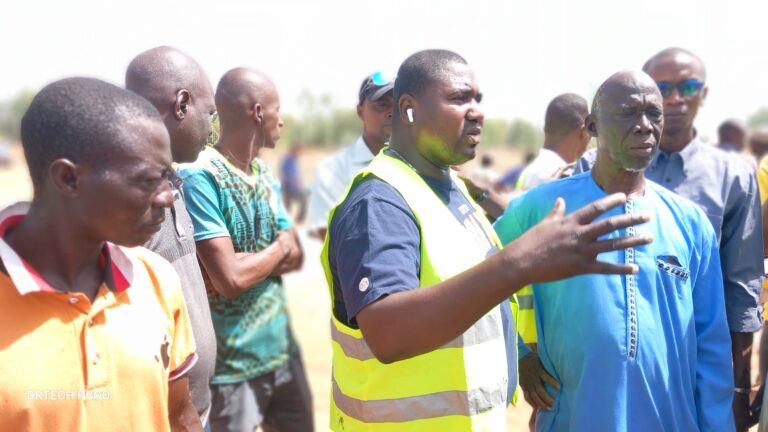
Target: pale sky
<point>523,52</point>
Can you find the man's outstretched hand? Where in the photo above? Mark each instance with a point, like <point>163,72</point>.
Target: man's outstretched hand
<point>563,246</point>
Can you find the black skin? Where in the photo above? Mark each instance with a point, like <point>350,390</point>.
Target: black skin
<point>122,200</point>
<point>628,127</point>
<point>187,114</point>
<point>377,128</point>
<point>377,121</point>
<point>445,132</point>
<point>184,100</point>
<point>679,116</point>
<point>246,128</point>
<point>679,112</point>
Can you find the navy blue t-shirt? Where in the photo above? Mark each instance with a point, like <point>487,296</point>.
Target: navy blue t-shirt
<point>375,250</point>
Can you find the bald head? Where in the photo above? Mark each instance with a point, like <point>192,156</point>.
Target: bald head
<point>676,55</point>
<point>239,90</point>
<point>620,83</point>
<point>627,120</point>
<point>246,100</point>
<point>158,73</point>
<point>180,90</point>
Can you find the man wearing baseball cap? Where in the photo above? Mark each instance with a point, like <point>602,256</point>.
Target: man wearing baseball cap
<point>335,172</point>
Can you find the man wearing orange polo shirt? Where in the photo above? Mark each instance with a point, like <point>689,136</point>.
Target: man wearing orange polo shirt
<point>94,336</point>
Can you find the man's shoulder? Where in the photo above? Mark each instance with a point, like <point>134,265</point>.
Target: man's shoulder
<point>684,209</point>
<point>340,159</point>
<point>204,163</point>
<point>372,191</point>
<point>729,163</point>
<point>559,187</point>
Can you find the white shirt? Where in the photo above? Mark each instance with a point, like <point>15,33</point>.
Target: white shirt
<point>332,177</point>
<point>541,169</point>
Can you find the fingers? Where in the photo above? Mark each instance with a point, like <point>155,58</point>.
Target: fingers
<point>558,209</point>
<point>601,267</point>
<point>589,212</point>
<point>544,396</point>
<point>549,379</point>
<point>614,223</point>
<point>618,243</point>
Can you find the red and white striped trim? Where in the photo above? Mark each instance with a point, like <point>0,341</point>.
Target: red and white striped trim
<point>184,368</point>
<point>28,280</point>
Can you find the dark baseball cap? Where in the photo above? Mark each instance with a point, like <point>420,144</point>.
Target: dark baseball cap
<point>375,86</point>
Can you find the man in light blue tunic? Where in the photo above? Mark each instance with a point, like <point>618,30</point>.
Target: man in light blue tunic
<point>642,352</point>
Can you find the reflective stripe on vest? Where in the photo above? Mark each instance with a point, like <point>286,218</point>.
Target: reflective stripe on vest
<point>461,385</point>
<point>485,329</point>
<point>464,403</point>
<point>526,318</point>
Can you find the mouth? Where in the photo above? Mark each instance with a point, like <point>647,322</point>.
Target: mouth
<point>674,115</point>
<point>473,135</point>
<point>644,148</point>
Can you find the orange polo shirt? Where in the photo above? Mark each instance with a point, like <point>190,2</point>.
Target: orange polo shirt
<point>67,364</point>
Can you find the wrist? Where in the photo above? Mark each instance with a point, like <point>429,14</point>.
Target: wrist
<point>482,196</point>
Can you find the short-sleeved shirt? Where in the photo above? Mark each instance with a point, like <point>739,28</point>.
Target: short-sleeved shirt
<point>71,364</point>
<point>252,331</point>
<point>725,187</point>
<point>541,169</point>
<point>381,244</point>
<point>175,242</point>
<point>332,177</point>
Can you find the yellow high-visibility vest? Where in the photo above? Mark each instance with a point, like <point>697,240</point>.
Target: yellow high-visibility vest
<point>460,386</point>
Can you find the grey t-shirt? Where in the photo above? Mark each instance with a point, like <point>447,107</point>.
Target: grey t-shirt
<point>175,242</point>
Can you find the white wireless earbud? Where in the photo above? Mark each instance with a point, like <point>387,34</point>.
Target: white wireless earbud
<point>409,112</point>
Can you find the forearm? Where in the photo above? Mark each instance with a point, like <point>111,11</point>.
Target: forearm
<point>294,260</point>
<point>182,415</point>
<point>741,348</point>
<point>409,323</point>
<point>232,277</point>
<point>494,204</point>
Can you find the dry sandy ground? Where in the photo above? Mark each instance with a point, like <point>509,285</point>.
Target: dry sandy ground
<point>307,291</point>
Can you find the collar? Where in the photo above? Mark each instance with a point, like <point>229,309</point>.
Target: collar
<point>551,155</point>
<point>685,155</point>
<point>118,269</point>
<point>360,153</point>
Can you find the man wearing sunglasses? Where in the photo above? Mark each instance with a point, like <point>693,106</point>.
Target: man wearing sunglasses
<point>725,188</point>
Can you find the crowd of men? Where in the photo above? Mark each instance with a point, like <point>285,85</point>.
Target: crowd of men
<point>618,287</point>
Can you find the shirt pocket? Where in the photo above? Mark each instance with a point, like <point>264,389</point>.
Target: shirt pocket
<point>671,265</point>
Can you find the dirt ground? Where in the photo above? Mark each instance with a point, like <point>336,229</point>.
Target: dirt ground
<point>307,291</point>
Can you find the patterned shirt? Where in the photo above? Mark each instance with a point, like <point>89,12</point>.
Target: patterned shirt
<point>252,331</point>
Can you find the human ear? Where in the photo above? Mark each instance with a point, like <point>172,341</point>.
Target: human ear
<point>405,109</point>
<point>258,114</point>
<point>591,125</point>
<point>181,104</point>
<point>64,175</point>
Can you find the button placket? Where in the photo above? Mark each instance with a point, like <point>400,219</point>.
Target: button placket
<point>631,282</point>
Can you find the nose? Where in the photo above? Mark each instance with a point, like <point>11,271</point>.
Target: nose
<point>475,113</point>
<point>644,125</point>
<point>164,197</point>
<point>673,98</point>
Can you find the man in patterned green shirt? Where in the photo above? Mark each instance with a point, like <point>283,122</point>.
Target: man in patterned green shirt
<point>245,242</point>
